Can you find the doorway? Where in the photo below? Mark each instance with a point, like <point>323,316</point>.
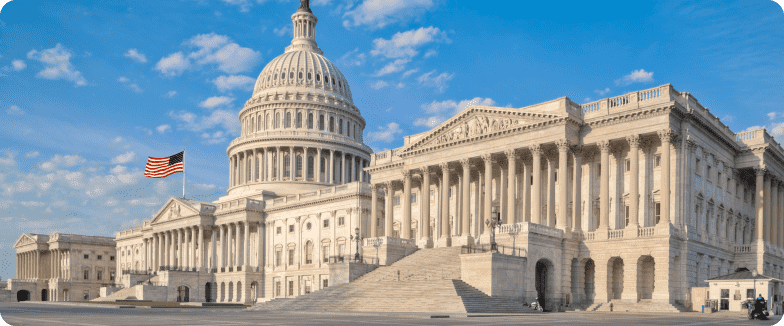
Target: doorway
<point>23,295</point>
<point>44,295</point>
<point>182,293</point>
<point>543,269</point>
<point>207,292</point>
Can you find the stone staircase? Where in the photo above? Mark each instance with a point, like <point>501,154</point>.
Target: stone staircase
<point>126,293</point>
<point>429,282</point>
<point>641,306</point>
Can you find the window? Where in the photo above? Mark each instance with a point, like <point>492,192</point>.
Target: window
<point>326,283</point>
<point>291,75</point>
<point>86,275</point>
<point>111,258</point>
<point>413,198</point>
<point>750,293</point>
<point>326,223</point>
<point>627,215</point>
<point>277,288</point>
<point>87,295</point>
<point>291,228</point>
<point>325,253</point>
<point>278,253</point>
<point>98,275</point>
<point>310,167</point>
<point>111,275</point>
<point>283,75</point>
<point>300,75</point>
<point>718,180</point>
<point>318,77</point>
<point>340,249</point>
<point>397,201</point>
<point>286,164</point>
<point>299,119</point>
<point>657,212</point>
<point>277,230</point>
<point>86,256</point>
<point>321,122</point>
<point>340,126</point>
<point>341,220</point>
<point>310,120</point>
<point>628,165</point>
<point>99,257</point>
<point>291,256</point>
<point>299,166</point>
<point>287,121</point>
<point>308,226</point>
<point>309,253</point>
<point>697,167</point>
<point>291,287</point>
<point>708,172</point>
<point>331,124</point>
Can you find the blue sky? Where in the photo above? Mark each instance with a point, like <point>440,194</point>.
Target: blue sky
<point>89,90</point>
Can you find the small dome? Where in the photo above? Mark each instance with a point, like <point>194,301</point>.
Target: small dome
<point>296,70</point>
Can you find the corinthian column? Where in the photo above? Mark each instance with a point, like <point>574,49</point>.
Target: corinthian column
<point>444,239</point>
<point>488,161</point>
<point>405,229</point>
<point>576,192</point>
<point>246,249</point>
<point>634,144</point>
<point>373,210</point>
<point>563,209</point>
<point>426,241</point>
<point>465,238</point>
<point>511,187</point>
<point>666,138</point>
<point>536,193</point>
<point>767,200</point>
<point>604,187</point>
<point>388,214</point>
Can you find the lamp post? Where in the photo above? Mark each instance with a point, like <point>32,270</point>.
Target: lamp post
<point>754,279</point>
<point>495,220</point>
<point>358,239</point>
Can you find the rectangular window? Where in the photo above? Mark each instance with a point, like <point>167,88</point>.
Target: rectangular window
<point>291,228</point>
<point>341,220</point>
<point>98,275</point>
<point>657,161</point>
<point>657,211</point>
<point>326,223</point>
<point>291,256</point>
<point>86,275</point>
<point>278,230</point>
<point>111,258</point>
<point>291,287</point>
<point>99,257</point>
<point>111,275</point>
<point>325,253</point>
<point>278,253</point>
<point>340,249</point>
<point>750,294</point>
<point>277,288</point>
<point>86,256</point>
<point>627,215</point>
<point>87,295</point>
<point>326,283</point>
<point>413,198</point>
<point>628,165</point>
<point>697,167</point>
<point>708,172</point>
<point>397,201</point>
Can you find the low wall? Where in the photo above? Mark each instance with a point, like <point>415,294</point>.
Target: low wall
<point>494,274</point>
<point>106,291</point>
<point>152,292</point>
<point>345,272</point>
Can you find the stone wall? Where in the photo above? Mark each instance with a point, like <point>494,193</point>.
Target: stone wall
<point>495,274</point>
<point>345,272</point>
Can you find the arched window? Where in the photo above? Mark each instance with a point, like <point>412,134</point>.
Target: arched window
<point>321,122</point>
<point>287,122</point>
<point>252,124</point>
<point>340,127</point>
<point>291,75</point>
<point>286,166</point>
<point>299,166</point>
<point>283,75</point>
<point>326,79</point>
<point>310,120</point>
<point>309,253</point>
<point>310,167</point>
<point>331,124</point>
<point>259,122</point>
<point>277,120</point>
<point>310,76</point>
<point>318,77</point>
<point>300,75</point>
<point>299,119</point>
<point>348,129</point>
<point>269,121</point>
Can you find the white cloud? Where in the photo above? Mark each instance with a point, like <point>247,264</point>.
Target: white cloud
<point>204,186</point>
<point>33,154</point>
<point>439,81</point>
<point>753,128</point>
<point>124,158</point>
<point>772,115</point>
<point>117,140</point>
<point>777,129</point>
<point>111,202</point>
<point>58,65</point>
<point>353,58</point>
<point>379,84</point>
<point>283,31</point>
<point>243,4</point>
<point>385,133</point>
<point>216,101</point>
<point>9,159</point>
<point>118,169</point>
<point>400,85</point>
<point>215,138</point>
<point>405,44</point>
<point>431,53</point>
<point>727,118</point>
<point>394,66</point>
<point>31,204</point>
<point>226,119</point>
<point>173,65</point>
<point>136,55</point>
<point>602,92</point>
<point>408,73</point>
<point>636,76</point>
<point>218,49</point>
<point>148,202</point>
<point>380,13</point>
<point>163,128</point>
<point>228,83</point>
<point>123,79</point>
<point>171,94</point>
<point>62,161</point>
<point>18,65</point>
<point>132,86</point>
<point>13,109</point>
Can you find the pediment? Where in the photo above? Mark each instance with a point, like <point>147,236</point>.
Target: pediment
<point>478,121</point>
<point>25,239</point>
<point>173,209</point>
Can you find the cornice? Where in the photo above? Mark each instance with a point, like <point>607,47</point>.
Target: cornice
<point>384,167</point>
<point>321,201</point>
<point>288,104</point>
<point>366,150</point>
<point>628,116</point>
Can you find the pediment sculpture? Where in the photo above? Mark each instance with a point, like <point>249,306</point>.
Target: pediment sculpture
<point>475,126</point>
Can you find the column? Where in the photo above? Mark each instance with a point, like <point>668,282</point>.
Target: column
<point>237,245</point>
<point>231,171</point>
<point>666,138</point>
<point>444,239</point>
<point>343,168</point>
<point>193,246</point>
<point>405,229</point>
<point>488,161</point>
<point>213,262</point>
<point>424,208</point>
<point>511,208</point>
<point>563,209</point>
<point>183,242</point>
<point>331,168</point>
<point>202,252</point>
<point>465,235</point>
<point>259,245</point>
<point>774,218</point>
<point>767,201</point>
<point>169,249</point>
<point>388,214</point>
<point>576,191</point>
<point>536,193</point>
<point>373,210</point>
<point>292,170</point>
<point>604,186</point>
<point>634,179</point>
<point>222,261</point>
<point>155,252</point>
<point>279,165</point>
<point>780,216</point>
<point>317,168</point>
<point>246,250</point>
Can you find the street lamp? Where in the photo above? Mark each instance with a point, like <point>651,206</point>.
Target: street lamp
<point>754,279</point>
<point>358,239</point>
<point>495,220</point>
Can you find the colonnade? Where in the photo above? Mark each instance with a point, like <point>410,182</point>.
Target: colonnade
<point>769,208</point>
<point>58,259</point>
<point>29,266</point>
<point>276,164</point>
<point>185,248</point>
<point>542,208</point>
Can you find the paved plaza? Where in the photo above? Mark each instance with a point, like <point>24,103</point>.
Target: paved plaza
<point>28,313</point>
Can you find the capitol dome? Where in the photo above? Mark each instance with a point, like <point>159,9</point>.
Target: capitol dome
<point>300,129</point>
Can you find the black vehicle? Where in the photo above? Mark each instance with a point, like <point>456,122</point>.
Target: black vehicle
<point>757,308</point>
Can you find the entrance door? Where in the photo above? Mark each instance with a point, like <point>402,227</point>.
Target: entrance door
<point>182,293</point>
<point>541,282</point>
<point>44,295</point>
<point>207,292</point>
<point>23,295</point>
<point>725,299</point>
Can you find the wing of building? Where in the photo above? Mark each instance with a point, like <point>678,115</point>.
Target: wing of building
<point>633,199</point>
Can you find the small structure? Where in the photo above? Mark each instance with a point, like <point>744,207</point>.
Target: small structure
<point>730,290</point>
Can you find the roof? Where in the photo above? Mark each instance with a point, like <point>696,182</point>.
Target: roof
<point>743,275</point>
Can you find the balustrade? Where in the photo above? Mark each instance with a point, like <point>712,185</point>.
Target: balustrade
<point>616,234</point>
<point>646,232</point>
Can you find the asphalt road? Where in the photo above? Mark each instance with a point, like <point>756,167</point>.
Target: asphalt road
<point>28,313</point>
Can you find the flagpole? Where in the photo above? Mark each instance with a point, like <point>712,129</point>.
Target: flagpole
<point>183,173</point>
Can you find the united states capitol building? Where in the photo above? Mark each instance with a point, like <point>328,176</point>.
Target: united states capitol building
<point>636,200</point>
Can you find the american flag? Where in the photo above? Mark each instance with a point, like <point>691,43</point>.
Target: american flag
<point>163,167</point>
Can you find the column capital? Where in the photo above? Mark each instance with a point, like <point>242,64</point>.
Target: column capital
<point>666,135</point>
<point>373,187</point>
<point>563,145</point>
<point>760,171</point>
<point>424,169</point>
<point>535,149</point>
<point>487,158</point>
<point>510,153</point>
<point>633,140</point>
<point>465,163</point>
<point>406,174</point>
<point>604,145</point>
<point>577,150</point>
<point>444,166</point>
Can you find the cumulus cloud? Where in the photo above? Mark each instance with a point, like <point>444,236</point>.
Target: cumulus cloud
<point>18,65</point>
<point>601,92</point>
<point>163,128</point>
<point>62,161</point>
<point>8,160</point>
<point>173,65</point>
<point>283,31</point>
<point>171,94</point>
<point>117,140</point>
<point>438,112</point>
<point>13,109</point>
<point>777,129</point>
<point>408,73</point>
<point>392,67</point>
<point>33,154</point>
<point>135,55</point>
<point>124,158</point>
<point>228,83</point>
<point>31,204</point>
<point>118,169</point>
<point>223,118</point>
<point>380,13</point>
<point>216,101</point>
<point>217,137</point>
<point>353,58</point>
<point>405,44</point>
<point>385,133</point>
<point>379,84</point>
<point>220,50</point>
<point>772,115</point>
<point>57,61</point>
<point>436,81</point>
<point>132,86</point>
<point>636,76</point>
